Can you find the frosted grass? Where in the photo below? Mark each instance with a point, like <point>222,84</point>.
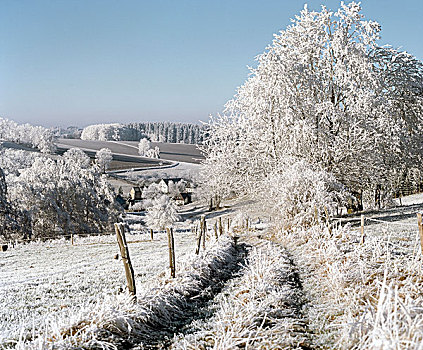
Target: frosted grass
<point>262,309</point>
<point>116,322</point>
<point>42,281</point>
<point>362,296</point>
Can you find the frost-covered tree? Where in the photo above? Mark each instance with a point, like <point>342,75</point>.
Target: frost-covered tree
<point>12,161</point>
<point>302,195</point>
<point>63,196</point>
<point>176,188</point>
<point>162,213</point>
<point>145,150</point>
<point>153,152</point>
<point>150,194</point>
<point>13,224</point>
<point>325,93</point>
<point>26,134</point>
<point>159,131</point>
<point>104,157</point>
<point>77,157</point>
<point>143,147</point>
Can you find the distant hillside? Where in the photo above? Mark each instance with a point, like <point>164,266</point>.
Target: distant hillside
<point>158,131</point>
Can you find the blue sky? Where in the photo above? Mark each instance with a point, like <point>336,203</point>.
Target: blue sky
<point>79,62</point>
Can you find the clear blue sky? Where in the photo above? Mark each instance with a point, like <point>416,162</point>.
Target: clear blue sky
<point>79,62</point>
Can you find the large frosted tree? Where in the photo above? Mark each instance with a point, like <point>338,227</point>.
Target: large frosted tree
<point>325,93</point>
<point>64,195</point>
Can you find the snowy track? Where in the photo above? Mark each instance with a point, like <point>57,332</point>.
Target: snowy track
<point>261,309</point>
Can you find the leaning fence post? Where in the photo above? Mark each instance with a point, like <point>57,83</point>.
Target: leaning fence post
<point>171,243</point>
<point>362,229</point>
<point>124,252</point>
<point>419,222</point>
<point>151,234</point>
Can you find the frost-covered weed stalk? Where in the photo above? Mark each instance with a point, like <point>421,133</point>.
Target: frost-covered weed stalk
<point>262,309</point>
<point>361,296</point>
<point>161,310</point>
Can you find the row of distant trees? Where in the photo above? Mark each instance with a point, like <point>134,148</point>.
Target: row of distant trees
<point>26,134</point>
<point>157,131</point>
<point>326,112</point>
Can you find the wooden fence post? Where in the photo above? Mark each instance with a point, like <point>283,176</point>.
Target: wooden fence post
<point>362,229</point>
<point>215,230</point>
<point>151,234</point>
<point>220,226</point>
<point>171,243</point>
<point>124,252</point>
<point>328,221</point>
<point>204,229</point>
<point>419,222</point>
<point>199,235</point>
<point>72,239</point>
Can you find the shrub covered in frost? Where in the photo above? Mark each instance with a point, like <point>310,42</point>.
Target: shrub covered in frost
<point>301,195</point>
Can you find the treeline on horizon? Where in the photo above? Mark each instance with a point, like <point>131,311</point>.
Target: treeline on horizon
<point>171,132</point>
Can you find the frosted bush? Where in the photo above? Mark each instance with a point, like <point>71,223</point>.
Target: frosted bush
<point>301,195</point>
<point>162,213</point>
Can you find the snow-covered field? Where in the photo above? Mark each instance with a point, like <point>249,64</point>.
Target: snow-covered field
<point>41,281</point>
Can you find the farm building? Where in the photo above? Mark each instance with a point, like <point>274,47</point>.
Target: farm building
<point>165,183</point>
<point>135,193</point>
<point>182,198</point>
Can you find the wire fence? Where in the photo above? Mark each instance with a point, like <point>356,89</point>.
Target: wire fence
<point>40,277</point>
<point>388,222</point>
<point>93,264</point>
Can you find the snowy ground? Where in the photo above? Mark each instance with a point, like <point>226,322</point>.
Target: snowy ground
<point>305,289</point>
<point>55,279</point>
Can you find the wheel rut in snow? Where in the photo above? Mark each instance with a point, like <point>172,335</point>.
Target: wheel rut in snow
<point>262,308</point>
<point>195,308</point>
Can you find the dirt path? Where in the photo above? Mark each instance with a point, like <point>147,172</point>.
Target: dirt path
<point>262,308</point>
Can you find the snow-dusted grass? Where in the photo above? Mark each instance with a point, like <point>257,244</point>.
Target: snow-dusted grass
<point>45,281</point>
<point>262,309</point>
<point>362,296</point>
<point>160,310</point>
